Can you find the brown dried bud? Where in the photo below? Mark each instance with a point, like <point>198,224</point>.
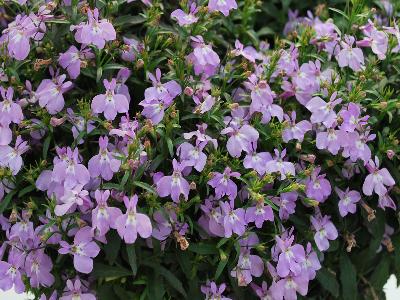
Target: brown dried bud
<point>13,216</point>
<point>182,241</point>
<point>390,154</point>
<point>298,147</point>
<point>388,244</point>
<point>40,63</point>
<point>308,157</point>
<point>192,185</point>
<point>351,241</point>
<point>383,105</point>
<point>233,106</point>
<point>330,163</point>
<point>369,210</point>
<point>139,63</point>
<point>57,121</point>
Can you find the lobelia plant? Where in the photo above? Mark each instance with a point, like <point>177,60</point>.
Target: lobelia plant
<point>199,149</point>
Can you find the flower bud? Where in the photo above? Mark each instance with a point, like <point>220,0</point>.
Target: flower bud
<point>390,154</point>
<point>188,91</point>
<point>139,63</point>
<point>57,121</point>
<point>192,185</point>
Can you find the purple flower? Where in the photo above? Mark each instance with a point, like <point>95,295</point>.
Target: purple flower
<point>248,265</point>
<point>95,31</point>
<point>223,6</point>
<point>233,219</point>
<point>223,185</point>
<point>9,111</point>
<point>132,223</point>
<point>332,140</point>
<point>386,201</point>
<point>240,138</point>
<point>286,203</point>
<point>201,135</point>
<point>84,249</point>
<point>377,179</point>
<point>50,93</point>
<point>377,40</point>
<point>324,231</point>
<point>184,18</point>
<point>295,131</point>
<point>262,292</point>
<point>323,112</point>
<point>18,35</point>
<point>259,213</point>
<point>38,266</point>
<point>204,58</point>
<point>11,157</point>
<point>5,134</point>
<point>131,46</point>
<point>247,52</point>
<point>349,56</point>
<point>121,88</point>
<point>103,164</point>
<point>75,292</point>
<point>311,263</point>
<point>356,146</point>
<point>317,187</point>
<point>72,60</point>
<point>287,287</point>
<point>193,155</point>
<point>256,161</point>
<point>206,105</point>
<point>213,292</point>
<point>351,118</point>
<point>290,256</point>
<point>103,216</point>
<point>110,103</point>
<point>10,274</point>
<point>278,165</point>
<point>71,199</point>
<point>174,185</point>
<point>348,201</point>
<point>79,124</point>
<point>212,220</point>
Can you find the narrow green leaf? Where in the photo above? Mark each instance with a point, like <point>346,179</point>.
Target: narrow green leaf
<point>104,271</point>
<point>112,247</point>
<point>46,145</point>
<point>348,278</point>
<point>328,281</point>
<point>145,186</point>
<point>6,201</point>
<point>203,248</point>
<point>26,190</point>
<point>170,147</point>
<point>130,249</point>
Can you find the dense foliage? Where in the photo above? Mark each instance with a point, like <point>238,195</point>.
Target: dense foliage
<point>221,149</point>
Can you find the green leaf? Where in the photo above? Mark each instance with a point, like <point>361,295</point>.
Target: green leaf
<point>381,273</point>
<point>106,271</point>
<point>170,147</point>
<point>328,281</point>
<point>130,249</point>
<point>340,12</point>
<point>127,20</point>
<point>112,67</point>
<point>203,248</point>
<point>46,145</point>
<point>168,275</point>
<point>112,247</point>
<point>26,190</point>
<point>348,278</point>
<point>221,266</point>
<point>145,186</point>
<point>6,201</point>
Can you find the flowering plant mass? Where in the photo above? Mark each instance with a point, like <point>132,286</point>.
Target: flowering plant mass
<point>199,149</point>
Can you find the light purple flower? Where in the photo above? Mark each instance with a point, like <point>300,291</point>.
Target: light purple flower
<point>193,155</point>
<point>290,256</point>
<point>212,220</point>
<point>175,184</point>
<point>223,185</point>
<point>110,103</point>
<point>132,223</point>
<point>311,263</point>
<point>348,201</point>
<point>233,219</point>
<point>213,292</point>
<point>247,52</point>
<point>323,112</point>
<point>94,31</point>
<point>377,180</point>
<point>5,134</point>
<point>259,213</point>
<point>69,170</point>
<point>324,231</point>
<point>295,131</point>
<point>349,56</point>
<point>84,249</point>
<point>203,58</point>
<point>186,19</point>
<point>248,265</point>
<point>75,292</point>
<point>71,199</point>
<point>287,287</point>
<point>11,157</point>
<point>129,50</point>
<point>121,88</point>
<point>72,59</point>
<point>331,140</point>
<point>317,187</point>
<point>103,164</point>
<point>50,93</point>
<point>352,119</point>
<point>256,161</point>
<point>223,6</point>
<point>286,203</point>
<point>38,266</point>
<point>10,274</point>
<point>9,110</point>
<point>278,165</point>
<point>377,40</point>
<point>103,216</point>
<point>240,138</point>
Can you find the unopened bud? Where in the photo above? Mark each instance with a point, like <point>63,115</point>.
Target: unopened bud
<point>139,63</point>
<point>233,106</point>
<point>57,121</point>
<point>308,157</point>
<point>192,185</point>
<point>188,91</point>
<point>390,154</point>
<point>13,216</point>
<point>383,105</point>
<point>298,147</point>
